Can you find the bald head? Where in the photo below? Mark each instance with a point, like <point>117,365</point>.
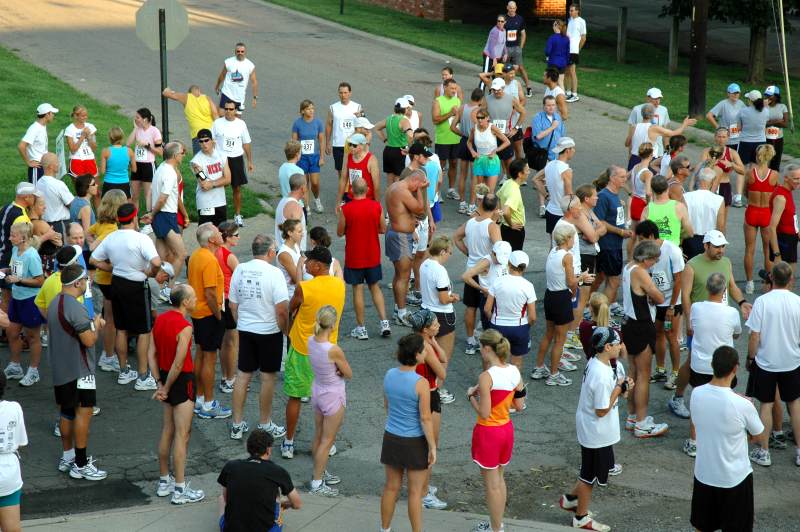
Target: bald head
<point>49,164</point>
<point>359,187</point>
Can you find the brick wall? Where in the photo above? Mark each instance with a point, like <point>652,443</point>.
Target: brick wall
<point>551,8</point>
<point>431,9</point>
<point>474,11</point>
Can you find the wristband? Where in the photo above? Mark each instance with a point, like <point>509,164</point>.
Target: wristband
<point>740,303</point>
<point>623,386</point>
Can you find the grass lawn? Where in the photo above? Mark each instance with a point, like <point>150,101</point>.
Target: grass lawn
<point>26,86</point>
<point>601,77</point>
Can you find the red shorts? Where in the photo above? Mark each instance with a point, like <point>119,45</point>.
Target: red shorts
<point>79,167</point>
<point>492,446</point>
<point>637,206</point>
<point>757,216</point>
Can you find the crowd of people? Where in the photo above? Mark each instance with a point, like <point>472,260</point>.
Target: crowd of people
<point>85,274</point>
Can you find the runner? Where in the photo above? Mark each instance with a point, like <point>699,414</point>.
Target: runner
<point>515,43</point>
<point>34,143</point>
<point>555,181</point>
<point>81,142</point>
<point>499,387</point>
<point>556,51</point>
<point>757,216</point>
<point>675,146</point>
<point>230,341</point>
<point>309,131</point>
<point>210,166</point>
<point>553,88</point>
<point>443,113</point>
<point>260,308</point>
<point>360,164</point>
<point>398,134</point>
<point>707,211</point>
<point>289,253</point>
<point>641,193</point>
<point>115,162</point>
<point>670,216</point>
<point>291,150</point>
<point>778,119</point>
<point>57,198</point>
<point>576,31</point>
<point>728,162</point>
<point>645,130</point>
<point>290,208</point>
<point>783,224</point>
<point>233,138</point>
<point>547,129</point>
<point>340,124</point>
<point>199,110</point>
<point>724,115</point>
<point>660,117</point>
<point>171,360</point>
<point>146,141</point>
<point>483,146</point>
<point>512,223</point>
<point>462,124</point>
<point>237,71</point>
<point>447,73</point>
<point>506,113</point>
<point>15,436</point>
<point>752,121</point>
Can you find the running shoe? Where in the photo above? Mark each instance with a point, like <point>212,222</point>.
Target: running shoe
<point>573,341</point>
<point>287,450</point>
<point>31,377</point>
<point>217,411</point>
<point>616,310</point>
<point>566,365</point>
<point>65,465</point>
<point>43,337</point>
<point>797,460</point>
<point>760,456</point>
<point>14,371</point>
<point>329,479</point>
<point>95,411</point>
<point>749,287</point>
<point>414,298</point>
<point>647,428</point>
<point>616,470</point>
<point>566,504</point>
<point>225,386</point>
<point>323,490</point>
<point>238,430</point>
<point>186,495</point>
<point>659,375</point>
<point>146,384</point>
<point>737,201</point>
<point>462,207</point>
<point>778,440</point>
<point>630,422</point>
<point>108,363</point>
<point>432,502</point>
<point>446,397</point>
<point>472,209</point>
<point>127,375</point>
<point>529,92</point>
<point>678,407</point>
<point>558,379</point>
<point>484,526</point>
<point>333,450</point>
<point>672,382</point>
<point>386,329</point>
<point>682,344</point>
<point>588,522</point>
<point>403,320</point>
<point>238,220</point>
<point>146,229</point>
<point>305,399</point>
<point>542,211</point>
<point>453,195</point>
<point>572,99</point>
<point>165,487</point>
<point>540,373</point>
<point>690,447</point>
<point>513,410</point>
<point>57,429</point>
<point>276,431</point>
<point>87,472</point>
<point>164,293</point>
<point>570,356</point>
<point>317,205</point>
<point>360,332</point>
<point>472,346</point>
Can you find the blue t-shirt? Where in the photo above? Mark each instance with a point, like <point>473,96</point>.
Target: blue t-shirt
<point>25,266</point>
<point>403,412</point>
<point>540,123</point>
<point>434,172</point>
<point>610,209</point>
<point>308,131</point>
<point>286,171</point>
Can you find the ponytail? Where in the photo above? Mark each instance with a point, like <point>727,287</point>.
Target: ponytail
<point>598,306</point>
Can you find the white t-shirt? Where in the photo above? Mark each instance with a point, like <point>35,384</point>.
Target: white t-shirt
<point>663,271</point>
<point>512,295</point>
<point>555,185</point>
<point>257,286</point>
<point>12,436</point>
<point>36,137</point>
<point>703,207</point>
<point>230,136</point>
<point>434,280</point>
<point>129,252</point>
<point>57,198</point>
<point>165,181</point>
<point>576,246</point>
<point>776,316</point>
<point>344,119</point>
<point>213,166</point>
<point>576,28</point>
<point>598,382</point>
<point>294,253</point>
<point>721,418</point>
<point>555,92</point>
<point>84,152</point>
<point>236,78</point>
<point>714,324</point>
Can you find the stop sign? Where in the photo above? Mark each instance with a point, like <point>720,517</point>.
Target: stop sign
<point>176,21</point>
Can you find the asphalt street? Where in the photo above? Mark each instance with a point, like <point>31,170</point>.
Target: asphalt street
<point>92,45</point>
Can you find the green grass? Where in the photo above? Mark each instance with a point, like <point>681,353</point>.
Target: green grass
<point>599,74</point>
<point>26,86</point>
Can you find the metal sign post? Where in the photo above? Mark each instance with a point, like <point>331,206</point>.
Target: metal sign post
<point>162,51</point>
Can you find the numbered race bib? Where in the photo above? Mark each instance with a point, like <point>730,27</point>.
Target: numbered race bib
<point>87,383</point>
<point>725,297</point>
<point>511,35</point>
<point>347,125</point>
<point>16,268</point>
<point>501,125</point>
<point>661,280</point>
<point>354,174</point>
<point>733,131</point>
<point>773,132</point>
<point>620,215</point>
<point>141,154</point>
<point>231,143</point>
<point>307,147</point>
<point>208,211</point>
<point>85,151</point>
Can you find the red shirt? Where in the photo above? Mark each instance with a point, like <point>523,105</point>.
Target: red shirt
<point>165,336</point>
<point>222,257</point>
<point>360,169</point>
<point>362,245</point>
<point>786,225</point>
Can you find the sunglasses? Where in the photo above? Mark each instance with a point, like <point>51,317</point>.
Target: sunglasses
<point>501,21</point>
<point>203,141</point>
<point>355,145</point>
<point>229,108</point>
<point>236,235</point>
<point>481,117</point>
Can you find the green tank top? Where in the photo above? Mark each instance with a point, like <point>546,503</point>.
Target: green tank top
<point>664,216</point>
<point>703,268</point>
<point>443,133</point>
<point>394,136</point>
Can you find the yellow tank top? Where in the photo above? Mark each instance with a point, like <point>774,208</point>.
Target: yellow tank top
<point>317,292</point>
<point>198,113</point>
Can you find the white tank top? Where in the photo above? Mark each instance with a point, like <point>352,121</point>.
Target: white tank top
<point>576,246</point>
<point>477,240</point>
<point>640,135</point>
<point>638,185</point>
<point>554,270</point>
<point>513,89</point>
<point>485,141</point>
<point>555,185</point>
<point>344,118</point>
<point>280,218</point>
<point>414,120</point>
<point>295,254</point>
<point>495,272</point>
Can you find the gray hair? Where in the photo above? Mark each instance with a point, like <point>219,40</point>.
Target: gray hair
<point>562,233</point>
<point>296,181</point>
<point>715,284</point>
<point>677,163</point>
<point>706,174</point>
<point>647,111</point>
<point>262,244</point>
<point>565,201</point>
<point>172,149</point>
<point>204,233</point>
<point>180,293</point>
<point>790,168</point>
<point>781,274</point>
<point>645,250</point>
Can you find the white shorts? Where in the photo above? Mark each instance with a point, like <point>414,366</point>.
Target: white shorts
<point>421,243</point>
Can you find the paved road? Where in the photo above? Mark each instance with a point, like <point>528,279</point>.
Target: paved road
<point>299,57</point>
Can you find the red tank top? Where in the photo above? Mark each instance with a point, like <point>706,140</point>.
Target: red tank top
<point>726,156</point>
<point>222,257</point>
<point>360,169</point>
<point>165,337</point>
<point>786,225</point>
<point>759,185</point>
<point>427,373</point>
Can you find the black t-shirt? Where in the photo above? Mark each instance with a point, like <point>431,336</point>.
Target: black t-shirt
<point>514,28</point>
<point>8,215</point>
<point>253,487</point>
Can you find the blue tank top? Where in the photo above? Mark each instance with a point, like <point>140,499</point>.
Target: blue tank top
<point>400,389</point>
<point>75,210</point>
<point>117,166</point>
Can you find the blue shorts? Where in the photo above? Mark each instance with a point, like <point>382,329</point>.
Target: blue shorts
<point>12,499</point>
<point>486,166</point>
<point>25,312</point>
<point>223,99</point>
<point>436,211</point>
<point>277,527</point>
<point>370,276</point>
<point>309,164</point>
<point>398,246</point>
<point>519,336</point>
<point>163,222</point>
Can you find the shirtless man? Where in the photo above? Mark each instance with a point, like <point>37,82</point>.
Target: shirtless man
<point>406,202</point>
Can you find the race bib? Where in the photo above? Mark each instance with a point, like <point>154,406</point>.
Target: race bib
<point>511,35</point>
<point>501,125</point>
<point>231,143</point>
<point>773,132</point>
<point>354,174</point>
<point>733,131</point>
<point>208,211</point>
<point>87,383</point>
<point>661,280</point>
<point>620,216</point>
<point>725,297</point>
<point>347,125</point>
<point>16,268</point>
<point>307,147</point>
<point>140,153</point>
<point>85,151</point>
<point>655,119</point>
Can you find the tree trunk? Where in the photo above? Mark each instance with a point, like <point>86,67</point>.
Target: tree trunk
<point>758,54</point>
<point>697,66</point>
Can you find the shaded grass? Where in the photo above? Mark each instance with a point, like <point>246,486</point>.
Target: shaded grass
<point>25,86</point>
<point>599,75</point>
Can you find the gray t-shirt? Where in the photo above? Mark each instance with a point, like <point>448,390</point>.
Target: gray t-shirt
<point>64,350</point>
<point>753,124</point>
<point>726,113</point>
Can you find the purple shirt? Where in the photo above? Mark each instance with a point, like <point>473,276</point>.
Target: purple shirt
<point>495,44</point>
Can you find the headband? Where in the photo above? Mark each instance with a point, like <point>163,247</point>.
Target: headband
<point>129,218</point>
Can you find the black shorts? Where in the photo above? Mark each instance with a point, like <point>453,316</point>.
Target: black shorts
<point>609,262</point>
<point>182,390</point>
<point>463,152</point>
<point>787,244</point>
<point>370,276</point>
<point>447,323</point>
<point>693,246</point>
<point>661,312</point>
<point>729,509</point>
<point>747,151</point>
<point>105,289</point>
<point>227,317</point>
<point>589,262</point>
<point>724,190</point>
<point>124,187</point>
<point>507,153</point>
<point>223,99</point>
<point>446,152</point>
<point>436,402</point>
<point>144,172</point>
<point>472,296</point>
<point>550,221</point>
<point>699,379</point>
<point>238,175</point>
<point>638,335</point>
<point>219,215</point>
<point>69,396</point>
<point>338,157</point>
<point>573,59</point>
<point>515,237</point>
<point>393,160</point>
<point>260,352</point>
<point>558,306</point>
<point>208,333</point>
<point>762,384</point>
<point>595,465</point>
<point>130,305</point>
<point>404,453</point>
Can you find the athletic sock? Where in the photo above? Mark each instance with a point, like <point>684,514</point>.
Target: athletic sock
<point>68,456</point>
<point>674,373</point>
<point>287,441</point>
<point>165,478</point>
<point>315,484</point>
<point>80,457</point>
<point>661,369</point>
<point>230,382</point>
<point>208,405</point>
<point>180,486</point>
<point>199,400</point>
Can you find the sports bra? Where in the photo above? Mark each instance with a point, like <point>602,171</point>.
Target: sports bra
<point>760,185</point>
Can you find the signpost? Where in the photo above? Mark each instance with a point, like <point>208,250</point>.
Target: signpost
<point>162,25</point>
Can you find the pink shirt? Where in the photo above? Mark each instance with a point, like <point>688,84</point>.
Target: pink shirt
<point>151,136</point>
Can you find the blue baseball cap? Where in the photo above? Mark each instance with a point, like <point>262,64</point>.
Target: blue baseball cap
<point>734,87</point>
<point>772,90</point>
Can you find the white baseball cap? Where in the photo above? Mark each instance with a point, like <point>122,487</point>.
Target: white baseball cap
<point>409,98</point>
<point>715,238</point>
<point>563,144</point>
<point>498,84</point>
<point>654,93</point>
<point>363,121</point>
<point>402,102</point>
<point>45,108</point>
<point>753,95</point>
<point>502,250</point>
<point>519,257</point>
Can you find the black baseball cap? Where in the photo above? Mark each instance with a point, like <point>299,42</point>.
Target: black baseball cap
<point>320,254</point>
<point>419,149</point>
<point>204,134</point>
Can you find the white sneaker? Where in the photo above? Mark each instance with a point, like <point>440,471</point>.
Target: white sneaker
<point>569,356</point>
<point>540,373</point>
<point>287,450</point>
<point>760,456</point>
<point>749,287</point>
<point>108,363</point>
<point>276,431</point>
<point>558,379</point>
<point>317,205</point>
<point>566,365</point>
<point>472,209</point>
<point>146,384</point>
<point>541,211</point>
<point>187,495</point>
<point>323,490</point>
<point>238,220</point>
<point>360,332</point>
<point>43,337</point>
<point>87,472</point>
<point>165,487</point>
<point>65,465</point>
<point>30,378</point>
<point>432,502</point>
<point>57,429</point>
<point>14,371</point>
<point>237,431</point>
<point>678,407</point>
<point>472,346</point>
<point>386,329</point>
<point>462,207</point>
<point>333,450</point>
<point>146,229</point>
<point>446,397</point>
<point>647,428</point>
<point>127,375</point>
<point>452,194</point>
<point>329,479</point>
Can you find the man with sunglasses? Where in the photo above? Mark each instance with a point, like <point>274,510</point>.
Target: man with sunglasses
<point>232,136</point>
<point>360,164</point>
<point>211,168</point>
<point>236,73</point>
<point>681,167</point>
